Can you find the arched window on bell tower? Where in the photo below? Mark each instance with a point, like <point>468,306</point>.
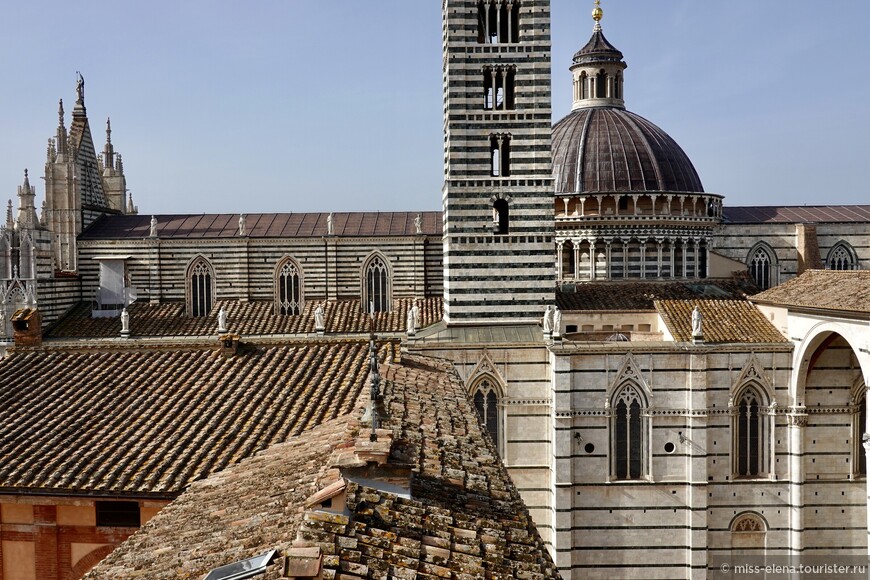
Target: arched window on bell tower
<point>501,215</point>
<point>498,21</point>
<point>500,150</point>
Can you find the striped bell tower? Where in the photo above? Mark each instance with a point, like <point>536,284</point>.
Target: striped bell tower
<point>498,190</point>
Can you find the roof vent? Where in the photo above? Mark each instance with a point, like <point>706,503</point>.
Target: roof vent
<point>27,327</point>
<point>230,344</point>
<point>244,569</point>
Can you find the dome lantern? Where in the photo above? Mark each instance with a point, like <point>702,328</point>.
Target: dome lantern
<point>597,70</point>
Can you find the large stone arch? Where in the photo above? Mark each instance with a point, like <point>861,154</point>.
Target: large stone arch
<point>830,359</point>
<point>854,333</point>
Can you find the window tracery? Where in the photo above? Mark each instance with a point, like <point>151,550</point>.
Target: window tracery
<point>377,295</point>
<point>200,288</point>
<point>289,288</point>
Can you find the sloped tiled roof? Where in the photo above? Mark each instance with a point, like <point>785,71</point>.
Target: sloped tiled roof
<point>847,291</point>
<point>797,214</point>
<point>245,318</point>
<point>150,421</point>
<point>264,225</point>
<point>464,519</point>
<point>724,321</point>
<point>625,295</point>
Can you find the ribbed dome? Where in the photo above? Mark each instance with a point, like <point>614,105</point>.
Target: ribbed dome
<point>604,149</point>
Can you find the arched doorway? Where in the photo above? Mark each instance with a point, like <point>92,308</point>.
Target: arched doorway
<point>830,385</point>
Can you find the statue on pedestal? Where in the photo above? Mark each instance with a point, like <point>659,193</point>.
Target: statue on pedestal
<point>697,323</point>
<point>222,320</point>
<point>319,322</point>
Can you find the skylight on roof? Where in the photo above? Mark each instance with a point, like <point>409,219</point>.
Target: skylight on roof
<point>244,569</point>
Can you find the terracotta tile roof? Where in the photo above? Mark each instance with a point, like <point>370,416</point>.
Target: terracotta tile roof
<point>464,518</point>
<point>264,225</point>
<point>150,421</point>
<point>724,321</point>
<point>847,291</point>
<point>625,295</point>
<point>797,214</point>
<point>245,318</point>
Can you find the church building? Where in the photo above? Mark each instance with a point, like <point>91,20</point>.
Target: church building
<point>653,381</point>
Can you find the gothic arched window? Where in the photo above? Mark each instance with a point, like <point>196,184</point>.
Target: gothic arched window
<point>486,403</point>
<point>751,437</point>
<point>842,257</point>
<point>376,291</point>
<point>200,287</point>
<point>762,267</point>
<point>289,288</point>
<point>628,434</point>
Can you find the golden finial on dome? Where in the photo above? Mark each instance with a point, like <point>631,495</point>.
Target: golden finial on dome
<point>597,12</point>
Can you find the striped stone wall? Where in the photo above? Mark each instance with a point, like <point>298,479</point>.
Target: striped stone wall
<point>245,269</point>
<point>491,277</point>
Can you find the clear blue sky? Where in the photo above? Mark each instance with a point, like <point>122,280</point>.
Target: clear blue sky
<point>335,105</point>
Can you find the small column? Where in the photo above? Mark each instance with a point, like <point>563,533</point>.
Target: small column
<point>643,259</point>
<point>654,198</point>
<point>671,256</point>
<point>559,246</point>
<point>696,243</point>
<point>607,249</point>
<point>685,256</point>
<point>592,259</point>
<point>510,17</point>
<point>576,259</point>
<point>659,243</point>
<point>634,204</point>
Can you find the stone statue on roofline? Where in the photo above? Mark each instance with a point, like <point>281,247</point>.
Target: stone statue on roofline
<point>418,224</point>
<point>413,319</point>
<point>153,232</point>
<point>125,323</point>
<point>319,322</point>
<point>330,224</point>
<point>548,321</point>
<point>222,320</point>
<point>697,325</point>
<point>557,322</point>
<point>242,229</point>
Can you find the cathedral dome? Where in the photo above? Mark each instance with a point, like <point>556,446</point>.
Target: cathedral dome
<point>609,149</point>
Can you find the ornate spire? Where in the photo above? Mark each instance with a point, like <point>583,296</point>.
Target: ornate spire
<point>9,223</point>
<point>597,15</point>
<point>27,217</point>
<point>61,139</point>
<point>109,150</point>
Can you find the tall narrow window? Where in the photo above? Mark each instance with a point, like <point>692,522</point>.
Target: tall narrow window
<point>859,427</point>
<point>760,263</point>
<point>584,85</point>
<point>200,288</point>
<point>842,257</point>
<point>377,286</point>
<point>486,403</point>
<point>498,88</point>
<point>628,439</point>
<point>751,436</point>
<point>502,216</point>
<point>289,288</point>
<point>601,85</point>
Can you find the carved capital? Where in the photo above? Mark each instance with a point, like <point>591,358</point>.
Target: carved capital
<point>798,420</point>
